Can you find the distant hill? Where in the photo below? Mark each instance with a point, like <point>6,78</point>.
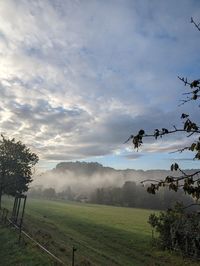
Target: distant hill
<point>84,176</point>
<point>92,168</point>
<point>82,168</point>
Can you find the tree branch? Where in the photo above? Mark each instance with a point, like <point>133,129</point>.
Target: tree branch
<point>195,24</point>
<point>171,132</point>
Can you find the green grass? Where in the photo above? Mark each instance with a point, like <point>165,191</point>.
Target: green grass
<point>103,235</point>
<point>19,255</point>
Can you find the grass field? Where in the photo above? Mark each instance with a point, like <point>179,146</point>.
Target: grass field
<point>13,254</point>
<point>103,235</point>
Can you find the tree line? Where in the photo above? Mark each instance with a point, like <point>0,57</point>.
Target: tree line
<point>133,195</point>
<point>128,195</point>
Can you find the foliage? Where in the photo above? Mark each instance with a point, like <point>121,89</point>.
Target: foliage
<point>178,230</point>
<point>128,195</point>
<point>16,162</point>
<point>190,183</point>
<point>132,195</point>
<point>49,193</point>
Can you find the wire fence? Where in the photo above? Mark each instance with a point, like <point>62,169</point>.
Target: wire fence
<point>4,220</point>
<point>77,245</point>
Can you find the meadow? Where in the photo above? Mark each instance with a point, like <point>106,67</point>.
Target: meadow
<point>19,255</point>
<point>102,235</point>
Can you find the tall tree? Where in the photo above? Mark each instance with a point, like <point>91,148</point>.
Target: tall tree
<point>16,163</point>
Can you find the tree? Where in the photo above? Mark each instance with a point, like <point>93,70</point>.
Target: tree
<point>49,193</point>
<point>189,182</point>
<point>129,193</point>
<point>16,162</point>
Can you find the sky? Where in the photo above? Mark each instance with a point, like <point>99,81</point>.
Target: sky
<point>78,77</point>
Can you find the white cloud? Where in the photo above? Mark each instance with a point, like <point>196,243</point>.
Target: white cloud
<point>77,77</point>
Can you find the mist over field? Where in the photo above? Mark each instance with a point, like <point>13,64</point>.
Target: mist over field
<point>85,177</point>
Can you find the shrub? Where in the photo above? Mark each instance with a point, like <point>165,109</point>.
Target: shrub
<point>178,230</point>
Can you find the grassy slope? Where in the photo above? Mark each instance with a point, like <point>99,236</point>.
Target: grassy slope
<point>13,254</point>
<point>107,235</point>
<point>103,235</point>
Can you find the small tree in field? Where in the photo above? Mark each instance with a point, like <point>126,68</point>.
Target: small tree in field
<point>16,162</point>
<point>190,183</point>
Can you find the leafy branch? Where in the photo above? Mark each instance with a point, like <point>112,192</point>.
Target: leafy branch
<point>190,183</point>
<point>195,89</point>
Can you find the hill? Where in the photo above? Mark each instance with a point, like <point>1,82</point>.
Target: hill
<point>83,176</point>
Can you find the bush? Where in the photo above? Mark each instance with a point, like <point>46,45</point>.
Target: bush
<point>178,230</point>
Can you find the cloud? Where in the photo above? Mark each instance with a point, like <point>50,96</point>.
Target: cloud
<point>183,159</point>
<point>77,78</point>
<point>133,156</point>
